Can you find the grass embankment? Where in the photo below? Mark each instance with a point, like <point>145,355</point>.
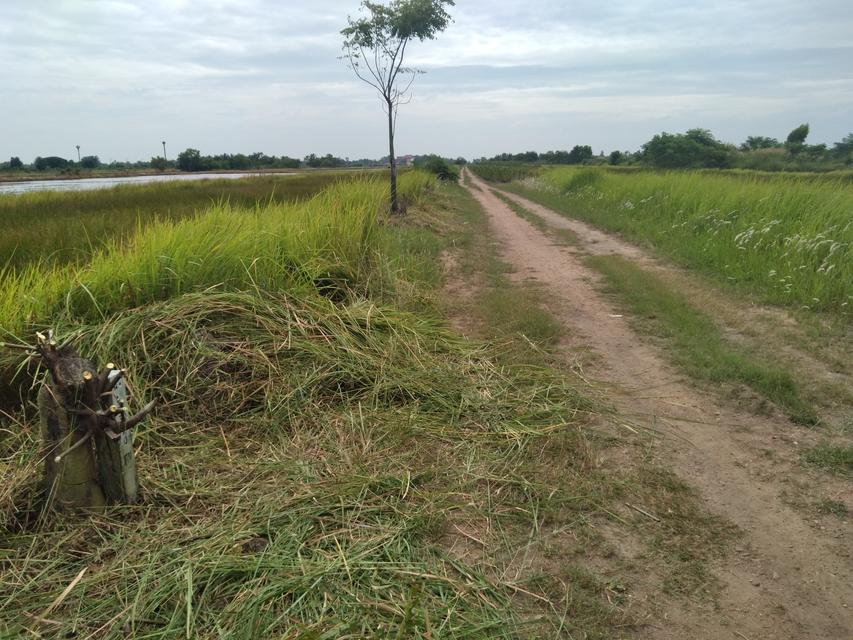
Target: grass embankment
<point>316,452</point>
<point>60,227</point>
<point>785,238</point>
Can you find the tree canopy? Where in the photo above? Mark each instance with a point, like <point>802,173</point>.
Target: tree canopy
<point>694,149</point>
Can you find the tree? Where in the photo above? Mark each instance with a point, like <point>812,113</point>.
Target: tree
<point>797,139</point>
<point>754,143</point>
<point>375,49</point>
<point>158,163</point>
<point>616,157</point>
<point>90,162</point>
<point>190,160</point>
<point>50,162</point>
<point>842,150</point>
<point>15,163</point>
<point>579,154</point>
<point>440,167</point>
<point>694,149</point>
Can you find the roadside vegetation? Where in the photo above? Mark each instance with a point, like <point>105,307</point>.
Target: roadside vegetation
<point>696,342</point>
<point>787,239</point>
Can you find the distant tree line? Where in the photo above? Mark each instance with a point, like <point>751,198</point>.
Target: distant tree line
<point>578,155</point>
<point>187,160</point>
<point>698,148</point>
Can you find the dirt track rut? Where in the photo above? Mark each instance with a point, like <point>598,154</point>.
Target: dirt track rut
<point>790,579</point>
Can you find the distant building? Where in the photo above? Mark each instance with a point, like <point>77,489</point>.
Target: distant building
<point>405,161</point>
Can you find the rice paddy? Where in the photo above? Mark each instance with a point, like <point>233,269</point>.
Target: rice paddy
<point>58,227</point>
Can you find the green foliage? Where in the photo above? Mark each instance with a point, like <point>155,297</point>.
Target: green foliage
<point>754,143</point>
<point>15,163</point>
<point>844,150</point>
<point>50,162</point>
<point>798,136</point>
<point>696,148</point>
<point>503,172</point>
<point>396,23</point>
<point>190,160</point>
<point>90,162</point>
<point>796,141</point>
<point>440,167</point>
<point>580,154</point>
<point>785,237</point>
<point>159,163</point>
<point>616,158</point>
<point>328,161</point>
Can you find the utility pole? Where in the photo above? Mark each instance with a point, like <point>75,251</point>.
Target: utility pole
<point>78,153</point>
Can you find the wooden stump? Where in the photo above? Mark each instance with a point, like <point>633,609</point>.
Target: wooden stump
<point>72,482</point>
<point>86,430</point>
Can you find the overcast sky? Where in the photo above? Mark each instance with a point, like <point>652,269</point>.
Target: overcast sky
<point>119,76</point>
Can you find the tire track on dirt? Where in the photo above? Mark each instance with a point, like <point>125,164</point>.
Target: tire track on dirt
<point>794,582</point>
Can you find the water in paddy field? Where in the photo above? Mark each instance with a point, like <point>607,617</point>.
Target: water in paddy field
<point>86,184</point>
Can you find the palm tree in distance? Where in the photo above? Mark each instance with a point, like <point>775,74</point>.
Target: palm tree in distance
<point>164,151</point>
<point>78,152</point>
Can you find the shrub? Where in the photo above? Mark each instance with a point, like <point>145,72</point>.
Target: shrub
<point>441,168</point>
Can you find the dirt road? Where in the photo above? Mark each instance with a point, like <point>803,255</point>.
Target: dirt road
<point>789,577</point>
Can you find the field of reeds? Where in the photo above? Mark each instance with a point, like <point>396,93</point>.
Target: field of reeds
<point>60,227</point>
<point>788,239</point>
<point>317,454</point>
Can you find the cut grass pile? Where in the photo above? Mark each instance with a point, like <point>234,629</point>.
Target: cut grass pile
<point>696,342</point>
<point>297,479</point>
<point>60,227</point>
<point>787,238</point>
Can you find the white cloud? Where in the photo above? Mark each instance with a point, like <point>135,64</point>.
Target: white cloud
<point>266,73</point>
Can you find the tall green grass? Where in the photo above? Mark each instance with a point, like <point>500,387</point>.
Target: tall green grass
<point>62,227</point>
<point>329,243</point>
<point>786,238</point>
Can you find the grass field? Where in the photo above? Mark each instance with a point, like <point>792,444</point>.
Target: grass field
<point>311,443</point>
<point>327,460</point>
<point>63,227</point>
<point>787,239</point>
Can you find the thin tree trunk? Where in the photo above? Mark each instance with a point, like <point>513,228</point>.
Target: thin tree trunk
<point>395,207</point>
